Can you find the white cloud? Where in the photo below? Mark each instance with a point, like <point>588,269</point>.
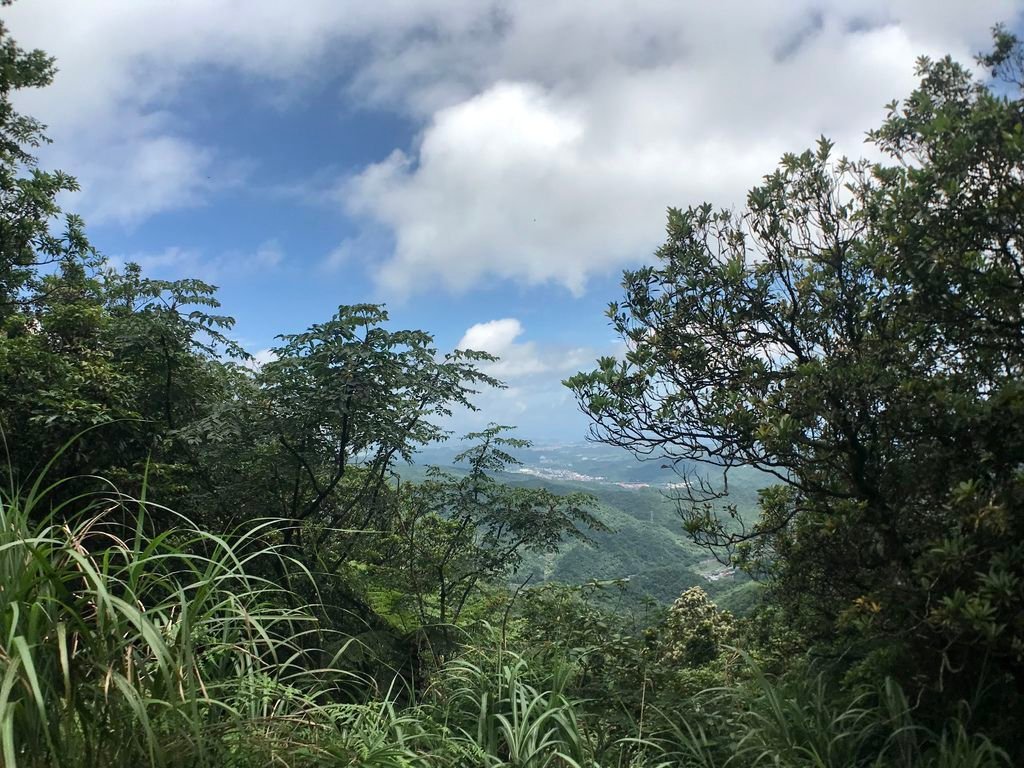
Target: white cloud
<point>566,171</point>
<point>553,135</point>
<point>498,337</point>
<point>494,336</point>
<point>149,175</point>
<point>534,401</point>
<point>339,257</point>
<point>351,253</point>
<point>260,358</point>
<point>520,360</point>
<point>177,262</point>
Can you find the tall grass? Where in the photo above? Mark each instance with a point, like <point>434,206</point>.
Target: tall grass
<point>491,706</point>
<point>801,721</point>
<point>120,648</point>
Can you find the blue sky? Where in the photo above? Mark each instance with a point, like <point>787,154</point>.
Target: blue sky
<point>486,169</point>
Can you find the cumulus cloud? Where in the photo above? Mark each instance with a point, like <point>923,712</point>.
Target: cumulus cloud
<point>483,171</point>
<point>583,127</point>
<point>354,251</point>
<point>148,175</point>
<point>494,336</point>
<point>534,400</point>
<point>123,67</point>
<point>519,360</point>
<point>552,136</point>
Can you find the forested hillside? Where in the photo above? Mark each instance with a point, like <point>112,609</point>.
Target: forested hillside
<point>644,556</point>
<point>210,560</point>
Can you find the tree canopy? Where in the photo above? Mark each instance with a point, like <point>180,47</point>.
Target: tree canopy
<point>855,332</point>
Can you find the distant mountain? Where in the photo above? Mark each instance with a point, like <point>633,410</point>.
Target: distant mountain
<point>647,548</point>
<point>583,462</point>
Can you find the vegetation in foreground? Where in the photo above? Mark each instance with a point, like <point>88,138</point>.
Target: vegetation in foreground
<point>204,562</point>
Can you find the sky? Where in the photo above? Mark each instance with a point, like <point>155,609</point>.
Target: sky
<point>486,169</point>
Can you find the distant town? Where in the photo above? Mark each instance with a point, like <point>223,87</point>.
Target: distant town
<point>551,473</point>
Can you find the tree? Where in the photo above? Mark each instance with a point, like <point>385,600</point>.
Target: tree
<point>125,359</point>
<point>345,400</point>
<point>695,630</point>
<point>28,196</point>
<point>143,379</point>
<point>311,439</point>
<point>857,334</point>
<point>461,532</point>
<point>34,376</point>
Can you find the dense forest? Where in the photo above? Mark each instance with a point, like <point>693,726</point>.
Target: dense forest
<point>209,561</point>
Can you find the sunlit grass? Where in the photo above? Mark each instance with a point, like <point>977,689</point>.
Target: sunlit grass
<point>122,648</point>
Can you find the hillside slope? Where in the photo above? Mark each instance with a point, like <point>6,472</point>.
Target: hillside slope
<point>645,549</point>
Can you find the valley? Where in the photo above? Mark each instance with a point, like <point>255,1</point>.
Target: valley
<point>645,558</point>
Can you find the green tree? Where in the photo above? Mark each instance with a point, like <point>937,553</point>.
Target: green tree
<point>312,439</point>
<point>41,386</point>
<point>341,403</point>
<point>459,533</point>
<point>28,196</point>
<point>694,629</point>
<point>82,346</point>
<point>856,333</point>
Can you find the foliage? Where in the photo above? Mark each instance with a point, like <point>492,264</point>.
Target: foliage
<point>30,194</point>
<point>458,532</point>
<point>350,391</point>
<point>490,703</point>
<point>695,630</point>
<point>802,720</point>
<point>856,332</point>
<point>153,649</point>
<point>79,345</point>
